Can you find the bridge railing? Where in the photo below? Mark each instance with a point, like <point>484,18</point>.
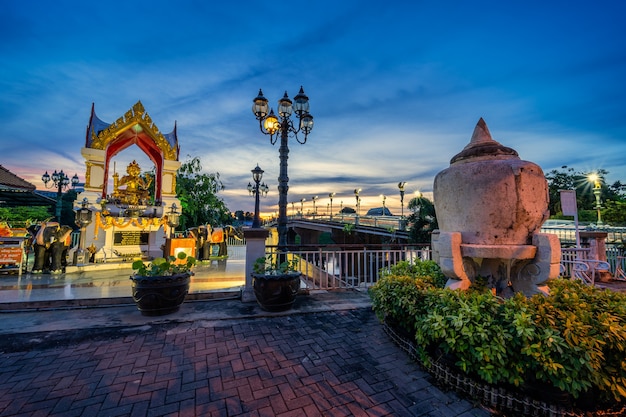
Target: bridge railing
<point>387,222</point>
<point>347,266</point>
<point>340,267</point>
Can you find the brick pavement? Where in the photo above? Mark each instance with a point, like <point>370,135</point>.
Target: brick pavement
<point>321,364</point>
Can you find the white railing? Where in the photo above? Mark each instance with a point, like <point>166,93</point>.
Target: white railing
<point>340,267</point>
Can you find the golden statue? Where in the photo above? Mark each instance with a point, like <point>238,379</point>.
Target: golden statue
<point>136,188</point>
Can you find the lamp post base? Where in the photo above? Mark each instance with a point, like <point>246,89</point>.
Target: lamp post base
<point>81,257</point>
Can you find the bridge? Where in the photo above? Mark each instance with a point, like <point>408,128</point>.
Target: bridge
<point>346,229</point>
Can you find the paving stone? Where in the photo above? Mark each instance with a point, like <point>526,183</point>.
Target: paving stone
<point>333,363</point>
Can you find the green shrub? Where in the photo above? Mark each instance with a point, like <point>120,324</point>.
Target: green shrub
<point>574,339</point>
<point>428,271</point>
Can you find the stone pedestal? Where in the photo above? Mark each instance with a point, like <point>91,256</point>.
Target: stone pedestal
<point>255,248</point>
<point>597,250</point>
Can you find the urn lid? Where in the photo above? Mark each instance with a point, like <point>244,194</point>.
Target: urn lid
<point>482,147</point>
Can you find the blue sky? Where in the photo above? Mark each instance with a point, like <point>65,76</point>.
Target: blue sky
<point>395,88</point>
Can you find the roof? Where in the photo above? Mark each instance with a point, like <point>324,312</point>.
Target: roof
<point>17,198</point>
<point>14,191</point>
<point>378,211</point>
<point>10,181</point>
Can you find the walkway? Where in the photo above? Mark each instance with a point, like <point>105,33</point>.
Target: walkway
<point>328,356</point>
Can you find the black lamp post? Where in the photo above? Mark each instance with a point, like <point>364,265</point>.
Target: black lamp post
<point>358,204</point>
<point>82,219</point>
<point>314,209</point>
<point>302,200</point>
<point>256,190</point>
<point>401,188</point>
<point>61,181</point>
<point>173,219</point>
<point>331,195</point>
<point>283,126</point>
<point>384,197</point>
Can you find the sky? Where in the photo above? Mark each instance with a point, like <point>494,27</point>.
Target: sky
<point>396,88</point>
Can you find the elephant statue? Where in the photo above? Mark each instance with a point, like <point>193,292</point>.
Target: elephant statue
<point>212,242</point>
<point>50,244</point>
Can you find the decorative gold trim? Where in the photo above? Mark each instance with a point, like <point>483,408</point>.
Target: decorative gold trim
<point>89,165</point>
<point>136,116</point>
<point>106,222</point>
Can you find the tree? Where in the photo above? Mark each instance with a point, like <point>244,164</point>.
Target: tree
<point>423,219</point>
<point>614,213</point>
<point>197,193</point>
<point>23,215</point>
<point>569,179</point>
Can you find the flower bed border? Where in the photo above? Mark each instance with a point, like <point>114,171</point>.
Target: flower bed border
<point>497,398</point>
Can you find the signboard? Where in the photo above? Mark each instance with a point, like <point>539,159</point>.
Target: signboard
<point>176,245</point>
<point>10,255</point>
<point>568,202</point>
<point>569,208</point>
<point>130,238</point>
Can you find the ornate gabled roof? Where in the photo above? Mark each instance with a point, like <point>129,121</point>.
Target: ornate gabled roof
<point>100,134</point>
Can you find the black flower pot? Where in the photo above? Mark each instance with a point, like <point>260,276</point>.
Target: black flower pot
<point>276,292</point>
<point>157,296</point>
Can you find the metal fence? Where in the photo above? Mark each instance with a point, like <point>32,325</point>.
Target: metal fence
<point>341,267</point>
<point>337,267</point>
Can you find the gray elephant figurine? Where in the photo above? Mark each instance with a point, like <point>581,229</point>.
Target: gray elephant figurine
<point>50,244</point>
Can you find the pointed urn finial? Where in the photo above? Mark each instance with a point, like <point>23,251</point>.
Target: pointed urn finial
<point>482,146</point>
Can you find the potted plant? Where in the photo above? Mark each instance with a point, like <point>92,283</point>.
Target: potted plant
<point>160,287</point>
<point>275,283</point>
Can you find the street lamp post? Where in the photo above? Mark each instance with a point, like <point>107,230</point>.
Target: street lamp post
<point>314,209</point>
<point>358,204</point>
<point>597,192</point>
<point>173,219</point>
<point>256,190</point>
<point>83,219</point>
<point>331,195</point>
<point>401,188</point>
<point>283,126</point>
<point>302,200</point>
<point>61,181</point>
<point>384,197</point>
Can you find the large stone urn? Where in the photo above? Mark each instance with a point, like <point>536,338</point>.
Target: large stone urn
<point>490,206</point>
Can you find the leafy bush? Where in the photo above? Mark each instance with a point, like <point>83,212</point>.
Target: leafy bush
<point>573,340</point>
<point>181,263</point>
<point>427,271</point>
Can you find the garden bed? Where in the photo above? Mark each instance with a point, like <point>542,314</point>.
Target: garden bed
<point>560,355</point>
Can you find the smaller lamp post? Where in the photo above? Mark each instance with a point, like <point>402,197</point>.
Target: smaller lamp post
<point>82,219</point>
<point>358,204</point>
<point>331,195</point>
<point>341,209</point>
<point>401,188</point>
<point>61,181</point>
<point>314,209</point>
<point>597,192</point>
<point>257,189</point>
<point>173,219</point>
<point>302,200</point>
<point>384,197</point>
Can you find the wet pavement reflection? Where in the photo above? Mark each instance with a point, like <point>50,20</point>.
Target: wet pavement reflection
<point>112,281</point>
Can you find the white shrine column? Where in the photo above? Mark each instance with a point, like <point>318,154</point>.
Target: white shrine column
<point>168,183</point>
<point>94,174</point>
